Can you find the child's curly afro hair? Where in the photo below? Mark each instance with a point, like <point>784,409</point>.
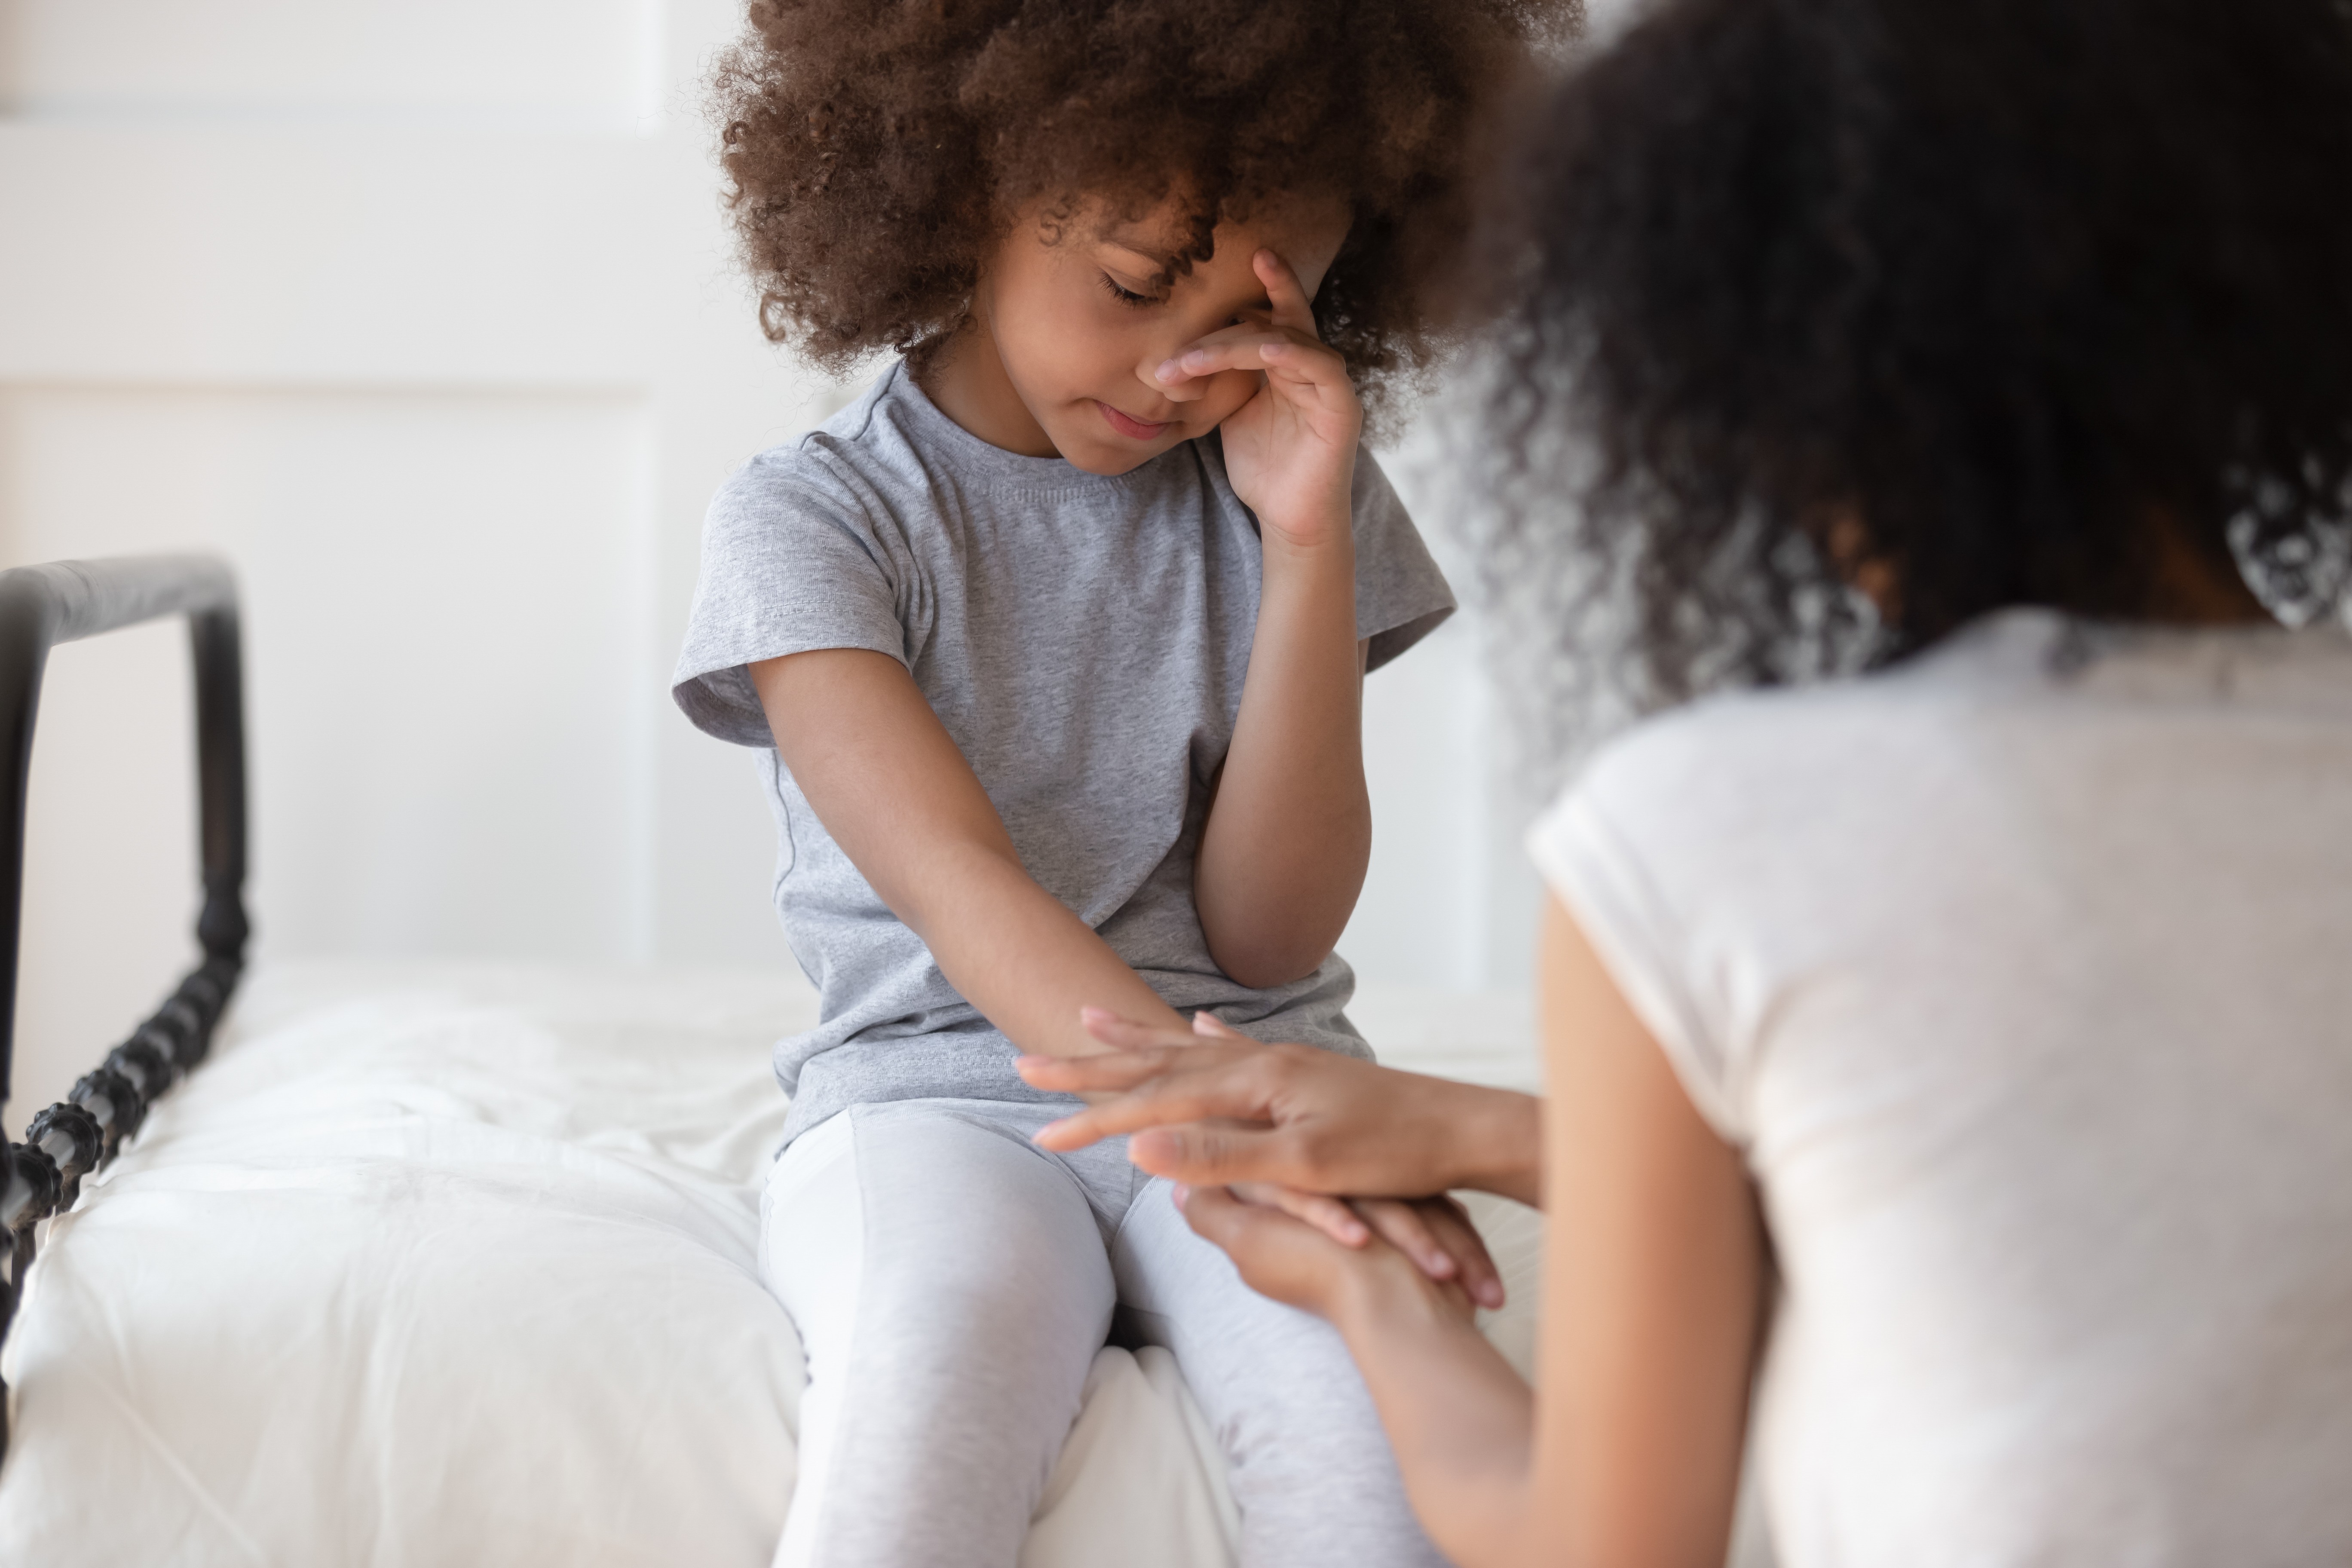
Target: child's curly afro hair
<point>879,149</point>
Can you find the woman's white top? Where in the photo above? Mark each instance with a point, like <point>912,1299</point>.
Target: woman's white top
<point>2023,975</point>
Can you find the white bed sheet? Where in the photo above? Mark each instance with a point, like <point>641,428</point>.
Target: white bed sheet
<point>432,1265</point>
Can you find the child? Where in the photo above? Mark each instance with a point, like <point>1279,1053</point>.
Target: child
<point>1052,647</point>
<point>1989,1017</point>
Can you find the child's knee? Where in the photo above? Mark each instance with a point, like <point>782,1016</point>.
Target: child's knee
<point>974,1239</point>
<point>986,1302</point>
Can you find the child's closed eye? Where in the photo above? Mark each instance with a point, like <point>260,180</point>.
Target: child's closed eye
<point>1126,295</point>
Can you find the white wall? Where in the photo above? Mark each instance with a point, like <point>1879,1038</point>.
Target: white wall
<point>422,311</point>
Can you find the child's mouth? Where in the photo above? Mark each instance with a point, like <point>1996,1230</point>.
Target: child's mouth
<point>1134,428</point>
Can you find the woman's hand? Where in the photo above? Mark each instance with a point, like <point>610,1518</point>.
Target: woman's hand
<point>1216,1073</point>
<point>1212,1108</point>
<point>1290,451</point>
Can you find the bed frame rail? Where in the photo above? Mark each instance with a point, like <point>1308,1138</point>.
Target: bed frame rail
<point>41,606</point>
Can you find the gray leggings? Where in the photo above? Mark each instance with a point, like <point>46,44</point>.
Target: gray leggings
<point>951,1283</point>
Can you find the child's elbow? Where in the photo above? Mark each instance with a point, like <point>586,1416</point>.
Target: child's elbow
<point>1264,961</point>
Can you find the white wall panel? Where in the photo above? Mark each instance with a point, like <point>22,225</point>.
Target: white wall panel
<point>109,855</point>
<point>1449,899</point>
<point>243,57</point>
<point>449,662</point>
<point>343,255</point>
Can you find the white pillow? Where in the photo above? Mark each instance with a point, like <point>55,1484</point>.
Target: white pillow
<point>455,1265</point>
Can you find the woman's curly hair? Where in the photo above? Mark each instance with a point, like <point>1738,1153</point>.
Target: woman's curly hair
<point>1963,296</point>
<point>879,149</point>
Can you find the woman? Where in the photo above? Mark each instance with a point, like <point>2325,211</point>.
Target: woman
<point>1984,1017</point>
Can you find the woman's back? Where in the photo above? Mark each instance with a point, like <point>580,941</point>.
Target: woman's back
<point>2023,976</point>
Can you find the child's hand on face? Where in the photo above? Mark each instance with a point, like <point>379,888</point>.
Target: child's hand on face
<point>1290,451</point>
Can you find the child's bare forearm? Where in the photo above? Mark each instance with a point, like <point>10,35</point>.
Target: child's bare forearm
<point>1283,857</point>
<point>888,783</point>
<point>1016,952</point>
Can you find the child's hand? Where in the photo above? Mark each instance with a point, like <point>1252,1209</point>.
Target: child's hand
<point>1290,451</point>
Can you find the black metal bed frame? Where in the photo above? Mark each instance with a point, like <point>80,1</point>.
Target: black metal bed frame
<point>41,606</point>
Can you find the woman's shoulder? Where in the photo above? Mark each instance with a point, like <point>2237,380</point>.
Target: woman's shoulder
<point>1728,745</point>
<point>1825,755</point>
<point>2018,701</point>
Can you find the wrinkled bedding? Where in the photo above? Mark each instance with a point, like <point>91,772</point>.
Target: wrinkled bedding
<point>431,1264</point>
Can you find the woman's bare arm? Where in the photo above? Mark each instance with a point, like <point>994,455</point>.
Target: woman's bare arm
<point>1460,1420</point>
<point>1628,1457</point>
<point>888,783</point>
<point>1654,1282</point>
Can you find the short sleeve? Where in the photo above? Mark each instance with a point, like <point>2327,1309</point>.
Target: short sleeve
<point>791,563</point>
<point>1591,862</point>
<point>1401,595</point>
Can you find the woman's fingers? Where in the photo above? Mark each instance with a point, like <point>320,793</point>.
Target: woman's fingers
<point>1156,1097</point>
<point>1161,1077</point>
<point>1437,1234</point>
<point>1292,1262</point>
<point>1156,1105</point>
<point>1400,1226</point>
<point>1159,1084</point>
<point>1210,1153</point>
<point>1113,1070</point>
<point>1330,1215</point>
<point>1117,1029</point>
<point>1476,1272</point>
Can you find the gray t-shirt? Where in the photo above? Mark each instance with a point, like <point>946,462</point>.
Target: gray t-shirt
<point>1084,640</point>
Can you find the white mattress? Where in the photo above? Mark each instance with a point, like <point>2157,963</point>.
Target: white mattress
<point>439,1265</point>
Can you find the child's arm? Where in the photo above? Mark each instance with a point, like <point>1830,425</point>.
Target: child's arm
<point>888,783</point>
<point>1290,830</point>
